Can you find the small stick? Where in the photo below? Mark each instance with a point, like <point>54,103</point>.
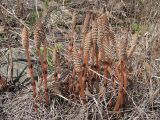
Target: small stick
<point>105,64</point>
<point>132,49</point>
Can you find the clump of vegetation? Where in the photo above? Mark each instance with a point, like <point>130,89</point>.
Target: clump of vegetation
<point>86,66</point>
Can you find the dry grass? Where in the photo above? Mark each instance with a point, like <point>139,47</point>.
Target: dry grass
<point>139,105</point>
<point>142,100</point>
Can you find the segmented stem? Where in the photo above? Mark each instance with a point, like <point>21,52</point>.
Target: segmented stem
<point>85,27</point>
<point>87,46</point>
<point>94,39</point>
<point>39,37</point>
<point>45,66</point>
<point>25,44</point>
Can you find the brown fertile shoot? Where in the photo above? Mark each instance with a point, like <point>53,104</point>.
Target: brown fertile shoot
<point>25,44</point>
<point>39,38</point>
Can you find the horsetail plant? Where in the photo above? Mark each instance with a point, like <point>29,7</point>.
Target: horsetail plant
<point>25,44</point>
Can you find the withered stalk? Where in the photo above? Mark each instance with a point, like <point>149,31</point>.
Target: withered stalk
<point>122,86</point>
<point>25,44</point>
<point>124,75</point>
<point>105,64</point>
<point>31,73</point>
<point>45,66</point>
<point>82,86</point>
